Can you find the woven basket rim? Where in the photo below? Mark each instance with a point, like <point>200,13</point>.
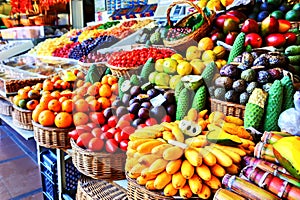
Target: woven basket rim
<point>122,68</point>
<point>229,104</point>
<point>51,128</point>
<point>21,109</point>
<point>89,64</point>
<point>82,151</point>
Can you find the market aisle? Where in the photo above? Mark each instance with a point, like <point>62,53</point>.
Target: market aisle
<point>19,174</point>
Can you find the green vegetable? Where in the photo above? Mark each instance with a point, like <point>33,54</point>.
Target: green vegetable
<point>294,60</point>
<point>274,105</point>
<point>184,103</point>
<point>208,73</point>
<point>120,82</point>
<point>200,99</point>
<point>93,75</point>
<point>292,50</point>
<point>147,69</point>
<point>237,48</point>
<point>288,93</point>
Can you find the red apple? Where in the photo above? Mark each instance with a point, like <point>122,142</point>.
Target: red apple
<point>97,132</point>
<point>284,25</point>
<point>106,135</point>
<point>128,130</point>
<point>84,139</point>
<point>254,39</point>
<point>118,137</point>
<point>276,40</point>
<point>217,36</point>
<point>230,25</point>
<point>238,14</point>
<point>151,122</point>
<point>230,37</point>
<point>290,38</point>
<point>141,126</point>
<point>166,118</point>
<point>92,125</point>
<point>105,127</point>
<point>83,128</point>
<point>73,134</point>
<point>112,121</point>
<point>269,25</point>
<point>97,117</point>
<point>250,26</point>
<point>111,146</point>
<point>221,19</point>
<point>96,144</point>
<point>124,145</point>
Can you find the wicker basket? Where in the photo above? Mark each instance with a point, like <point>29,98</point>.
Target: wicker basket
<point>138,192</point>
<point>124,71</point>
<point>44,20</point>
<point>51,137</point>
<point>182,44</point>
<point>6,107</point>
<point>86,66</point>
<point>89,189</point>
<point>22,118</point>
<point>228,108</point>
<point>98,165</point>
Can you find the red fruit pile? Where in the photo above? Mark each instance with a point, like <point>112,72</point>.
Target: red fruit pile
<point>138,57</point>
<point>64,51</point>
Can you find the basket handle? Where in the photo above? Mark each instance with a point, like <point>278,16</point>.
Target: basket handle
<point>185,2</point>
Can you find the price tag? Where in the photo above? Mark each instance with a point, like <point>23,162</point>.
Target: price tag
<point>158,100</point>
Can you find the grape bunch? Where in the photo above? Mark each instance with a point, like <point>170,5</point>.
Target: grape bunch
<point>90,45</point>
<point>64,51</point>
<point>177,33</point>
<point>95,56</point>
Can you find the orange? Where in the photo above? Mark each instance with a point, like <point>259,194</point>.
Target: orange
<point>33,94</point>
<point>57,84</point>
<point>112,80</point>
<point>63,120</point>
<point>105,90</point>
<point>38,86</point>
<point>81,91</point>
<point>98,84</point>
<point>30,105</point>
<point>46,118</point>
<point>27,88</point>
<point>80,75</point>
<point>105,102</point>
<point>67,106</point>
<point>81,105</point>
<point>62,99</point>
<point>65,85</point>
<point>16,99</point>
<point>79,83</point>
<point>94,105</point>
<point>55,78</point>
<point>56,94</point>
<point>80,118</point>
<point>45,99</point>
<point>54,105</point>
<point>45,92</point>
<point>87,84</point>
<point>114,89</point>
<point>48,85</point>
<point>36,112</point>
<point>92,90</point>
<point>23,93</point>
<point>89,98</point>
<point>104,79</point>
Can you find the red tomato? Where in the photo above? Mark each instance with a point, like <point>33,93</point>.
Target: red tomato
<point>97,117</point>
<point>84,139</point>
<point>111,146</point>
<point>97,132</point>
<point>105,127</point>
<point>73,134</point>
<point>124,145</point>
<point>106,135</point>
<point>118,137</point>
<point>112,121</point>
<point>96,144</point>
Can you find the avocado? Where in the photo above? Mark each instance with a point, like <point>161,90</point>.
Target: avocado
<point>239,85</point>
<point>278,14</point>
<point>232,96</point>
<point>262,15</point>
<point>244,98</point>
<point>293,15</point>
<point>219,93</point>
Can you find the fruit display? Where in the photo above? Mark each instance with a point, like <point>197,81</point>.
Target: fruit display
<point>278,9</point>
<point>216,5</point>
<point>95,57</point>
<point>176,158</point>
<point>151,36</point>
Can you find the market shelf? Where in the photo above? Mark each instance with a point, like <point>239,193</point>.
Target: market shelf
<point>24,133</point>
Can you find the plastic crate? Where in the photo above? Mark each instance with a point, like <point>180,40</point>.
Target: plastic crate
<point>48,166</point>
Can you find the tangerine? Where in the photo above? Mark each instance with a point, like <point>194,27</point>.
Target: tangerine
<point>54,105</point>
<point>45,99</point>
<point>63,120</point>
<point>57,84</point>
<point>104,79</point>
<point>30,105</point>
<point>23,93</point>
<point>62,99</point>
<point>87,84</point>
<point>92,90</point>
<point>79,83</point>
<point>65,85</point>
<point>94,105</point>
<point>48,85</point>
<point>36,112</point>
<point>81,91</point>
<point>80,118</point>
<point>16,99</point>
<point>98,84</point>
<point>55,78</point>
<point>38,86</point>
<point>114,88</point>
<point>56,94</point>
<point>112,80</point>
<point>81,105</point>
<point>105,90</point>
<point>104,102</point>
<point>46,118</point>
<point>67,106</point>
<point>89,98</point>
<point>27,88</point>
<point>33,94</point>
<point>76,97</point>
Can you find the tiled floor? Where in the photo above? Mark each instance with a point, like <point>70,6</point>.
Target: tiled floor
<point>19,174</point>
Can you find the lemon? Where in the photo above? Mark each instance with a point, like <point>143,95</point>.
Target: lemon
<point>214,5</point>
<point>177,56</point>
<point>159,65</point>
<point>206,43</point>
<point>192,53</point>
<point>170,66</point>
<point>174,80</point>
<point>208,55</point>
<point>184,68</point>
